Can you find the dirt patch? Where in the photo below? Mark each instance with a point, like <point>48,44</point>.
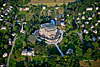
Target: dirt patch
<point>93,63</point>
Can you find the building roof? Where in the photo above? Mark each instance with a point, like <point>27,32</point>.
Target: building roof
<point>27,52</point>
<point>48,26</point>
<point>86,22</point>
<point>2,65</point>
<point>89,8</point>
<point>5,55</point>
<point>53,22</point>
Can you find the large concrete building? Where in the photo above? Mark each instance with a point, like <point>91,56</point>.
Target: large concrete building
<point>51,34</point>
<point>48,32</point>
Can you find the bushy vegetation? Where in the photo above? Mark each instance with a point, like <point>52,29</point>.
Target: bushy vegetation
<point>48,55</point>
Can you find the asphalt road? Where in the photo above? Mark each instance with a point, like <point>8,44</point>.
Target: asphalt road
<point>13,43</point>
<point>82,40</point>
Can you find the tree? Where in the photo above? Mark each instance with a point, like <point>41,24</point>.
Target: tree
<point>54,0</point>
<point>24,44</point>
<point>95,44</point>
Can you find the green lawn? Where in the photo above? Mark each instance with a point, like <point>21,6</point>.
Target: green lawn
<point>79,51</point>
<point>28,16</point>
<point>73,31</point>
<point>21,12</point>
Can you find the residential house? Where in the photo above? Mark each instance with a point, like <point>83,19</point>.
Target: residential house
<point>78,18</point>
<point>79,14</point>
<point>85,31</point>
<point>24,52</point>
<point>2,15</point>
<point>86,22</point>
<point>83,17</point>
<point>83,12</point>
<point>2,65</point>
<point>27,8</point>
<point>99,37</point>
<point>8,16</point>
<point>68,15</point>
<point>57,8</point>
<point>7,23</point>
<point>61,23</point>
<point>93,15</point>
<point>97,8</point>
<point>62,19</point>
<point>90,18</point>
<point>78,21</point>
<point>8,10</point>
<point>92,26</point>
<point>98,21</point>
<point>99,13</point>
<point>89,9</point>
<point>29,52</point>
<point>3,28</point>
<point>5,54</point>
<point>83,25</point>
<point>1,19</point>
<point>21,9</point>
<point>24,9</point>
<point>4,4</point>
<point>10,41</point>
<point>95,31</point>
<point>43,7</point>
<point>95,2</point>
<point>2,8</point>
<point>13,34</point>
<point>96,24</point>
<point>56,19</point>
<point>11,6</point>
<point>6,13</point>
<point>18,20</point>
<point>24,22</point>
<point>73,17</point>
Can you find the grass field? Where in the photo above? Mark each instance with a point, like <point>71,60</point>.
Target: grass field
<point>49,2</point>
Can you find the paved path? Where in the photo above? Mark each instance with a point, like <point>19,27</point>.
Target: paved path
<point>81,37</point>
<point>55,43</point>
<point>13,43</point>
<point>59,50</point>
<point>82,40</point>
